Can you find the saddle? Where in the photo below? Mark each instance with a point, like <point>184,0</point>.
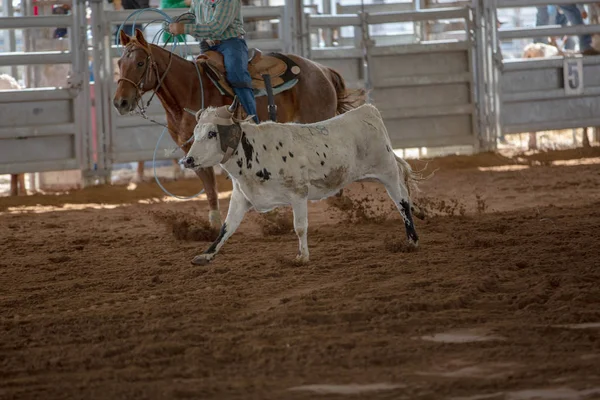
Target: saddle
<point>283,71</point>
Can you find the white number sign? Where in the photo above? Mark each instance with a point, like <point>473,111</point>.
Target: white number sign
<point>573,75</point>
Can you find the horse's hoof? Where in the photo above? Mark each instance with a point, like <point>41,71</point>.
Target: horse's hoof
<point>202,259</point>
<point>418,212</point>
<point>214,218</point>
<point>301,259</point>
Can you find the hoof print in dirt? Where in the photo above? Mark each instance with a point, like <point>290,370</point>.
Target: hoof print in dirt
<point>399,245</point>
<point>200,260</point>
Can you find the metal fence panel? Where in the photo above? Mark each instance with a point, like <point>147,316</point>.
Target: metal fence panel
<point>42,129</point>
<point>423,90</point>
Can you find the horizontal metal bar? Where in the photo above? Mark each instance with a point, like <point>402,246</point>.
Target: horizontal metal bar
<point>426,112</point>
<point>547,95</point>
<point>257,13</point>
<point>438,141</point>
<point>20,132</point>
<point>421,15</point>
<point>422,80</point>
<point>336,53</point>
<point>542,31</point>
<point>53,21</point>
<point>531,3</point>
<point>133,121</point>
<point>543,63</point>
<point>371,8</point>
<point>551,125</point>
<point>423,47</point>
<point>36,95</point>
<point>132,156</point>
<point>263,44</point>
<point>333,21</point>
<point>452,4</point>
<point>38,58</point>
<point>250,13</point>
<point>39,166</point>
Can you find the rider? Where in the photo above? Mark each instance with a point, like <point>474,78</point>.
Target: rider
<point>220,23</point>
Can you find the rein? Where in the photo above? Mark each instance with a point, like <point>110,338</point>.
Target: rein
<point>151,65</point>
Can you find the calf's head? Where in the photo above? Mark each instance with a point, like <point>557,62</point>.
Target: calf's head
<point>216,136</point>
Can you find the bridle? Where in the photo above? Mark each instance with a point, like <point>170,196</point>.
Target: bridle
<point>151,65</point>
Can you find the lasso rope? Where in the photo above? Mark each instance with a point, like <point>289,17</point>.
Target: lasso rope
<point>167,20</point>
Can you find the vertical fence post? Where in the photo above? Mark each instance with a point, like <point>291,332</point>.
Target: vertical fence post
<point>103,130</point>
<point>79,83</point>
<point>10,41</point>
<point>478,40</point>
<point>366,44</point>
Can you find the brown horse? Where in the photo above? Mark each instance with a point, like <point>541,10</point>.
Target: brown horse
<point>320,94</point>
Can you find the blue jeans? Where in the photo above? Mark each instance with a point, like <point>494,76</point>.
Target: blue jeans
<point>574,16</point>
<point>549,15</point>
<point>235,58</point>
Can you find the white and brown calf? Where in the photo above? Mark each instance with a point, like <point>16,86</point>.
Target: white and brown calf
<point>275,164</point>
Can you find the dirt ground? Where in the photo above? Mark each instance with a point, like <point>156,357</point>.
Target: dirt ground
<point>98,299</point>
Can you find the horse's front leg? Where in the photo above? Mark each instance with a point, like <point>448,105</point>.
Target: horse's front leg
<point>210,186</point>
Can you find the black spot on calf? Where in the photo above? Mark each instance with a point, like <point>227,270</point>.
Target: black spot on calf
<point>388,148</point>
<point>276,147</point>
<point>284,158</point>
<point>264,174</point>
<point>322,162</point>
<point>326,145</point>
<point>409,223</point>
<point>318,154</point>
<point>240,162</point>
<point>324,155</point>
<point>291,154</point>
<point>280,144</point>
<point>213,246</point>
<point>248,151</point>
<point>264,147</point>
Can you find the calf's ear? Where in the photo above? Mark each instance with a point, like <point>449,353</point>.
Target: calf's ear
<point>230,136</point>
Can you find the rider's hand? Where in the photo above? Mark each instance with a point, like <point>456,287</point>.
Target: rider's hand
<point>176,28</point>
<point>584,14</point>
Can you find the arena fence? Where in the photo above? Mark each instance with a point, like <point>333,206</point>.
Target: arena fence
<point>441,82</point>
<point>542,94</point>
<point>424,89</point>
<point>47,129</point>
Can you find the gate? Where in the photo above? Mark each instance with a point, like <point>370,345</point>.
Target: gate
<point>426,90</point>
<point>542,94</point>
<point>47,129</point>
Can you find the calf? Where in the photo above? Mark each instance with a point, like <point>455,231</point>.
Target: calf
<point>275,164</point>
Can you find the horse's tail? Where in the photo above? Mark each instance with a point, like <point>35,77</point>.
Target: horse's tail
<point>345,101</point>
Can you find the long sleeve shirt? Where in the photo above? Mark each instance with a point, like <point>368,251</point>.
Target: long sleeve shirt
<point>216,19</point>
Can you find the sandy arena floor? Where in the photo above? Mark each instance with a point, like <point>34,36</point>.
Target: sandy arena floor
<point>98,299</point>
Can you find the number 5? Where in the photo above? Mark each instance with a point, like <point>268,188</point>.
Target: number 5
<point>573,76</point>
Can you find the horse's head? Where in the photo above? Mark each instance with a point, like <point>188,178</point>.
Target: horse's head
<point>216,137</point>
<point>137,70</point>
